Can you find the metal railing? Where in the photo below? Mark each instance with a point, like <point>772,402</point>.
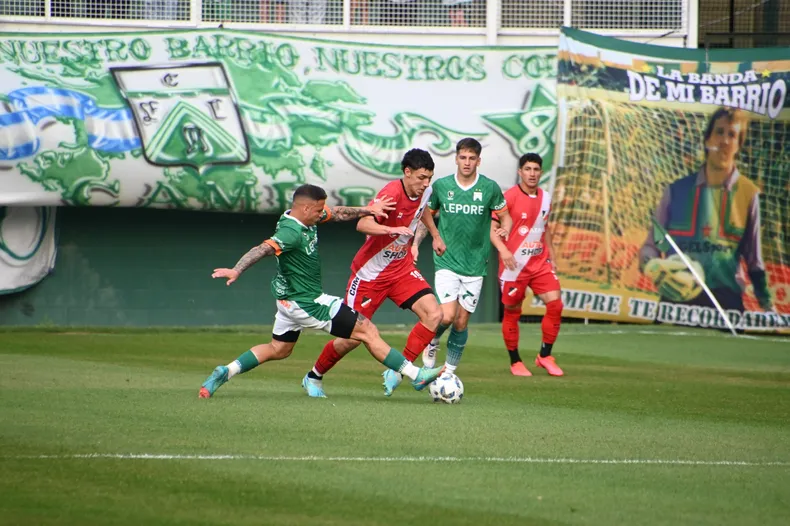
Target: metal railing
<point>644,17</point>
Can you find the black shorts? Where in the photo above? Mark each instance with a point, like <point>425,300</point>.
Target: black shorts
<point>344,321</point>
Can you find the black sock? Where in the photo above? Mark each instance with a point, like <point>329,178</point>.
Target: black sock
<point>514,357</point>
<point>314,376</point>
<point>545,349</point>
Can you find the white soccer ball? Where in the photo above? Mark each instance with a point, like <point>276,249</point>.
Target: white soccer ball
<point>448,388</point>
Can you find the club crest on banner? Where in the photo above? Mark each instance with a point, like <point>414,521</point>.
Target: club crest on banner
<point>186,115</point>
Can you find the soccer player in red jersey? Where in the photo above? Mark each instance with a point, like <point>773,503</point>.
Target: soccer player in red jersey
<point>526,260</point>
<point>384,268</point>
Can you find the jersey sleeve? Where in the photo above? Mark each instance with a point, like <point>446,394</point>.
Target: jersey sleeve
<point>508,203</point>
<point>283,240</point>
<point>497,202</point>
<point>326,215</point>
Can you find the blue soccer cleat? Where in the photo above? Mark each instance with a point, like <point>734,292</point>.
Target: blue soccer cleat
<point>392,380</point>
<point>213,382</point>
<point>426,376</point>
<point>314,388</point>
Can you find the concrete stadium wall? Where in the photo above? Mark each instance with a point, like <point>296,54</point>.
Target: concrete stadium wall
<point>135,267</point>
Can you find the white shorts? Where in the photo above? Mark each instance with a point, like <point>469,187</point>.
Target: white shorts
<point>293,317</point>
<point>450,286</point>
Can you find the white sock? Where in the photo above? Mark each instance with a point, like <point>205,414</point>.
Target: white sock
<point>449,368</point>
<point>234,368</point>
<point>410,370</point>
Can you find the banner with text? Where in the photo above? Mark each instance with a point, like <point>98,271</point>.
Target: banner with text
<point>232,120</point>
<point>666,151</point>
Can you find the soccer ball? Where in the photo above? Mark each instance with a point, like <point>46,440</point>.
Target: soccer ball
<point>448,388</point>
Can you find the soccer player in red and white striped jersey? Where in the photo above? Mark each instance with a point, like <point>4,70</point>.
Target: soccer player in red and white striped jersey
<point>526,260</point>
<point>384,267</point>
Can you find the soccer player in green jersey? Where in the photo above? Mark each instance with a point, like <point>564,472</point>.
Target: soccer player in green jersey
<point>301,302</point>
<point>464,203</point>
<point>714,217</point>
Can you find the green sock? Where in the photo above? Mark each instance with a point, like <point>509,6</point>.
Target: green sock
<point>242,364</point>
<point>439,331</point>
<point>455,346</point>
<point>397,362</point>
<point>394,360</point>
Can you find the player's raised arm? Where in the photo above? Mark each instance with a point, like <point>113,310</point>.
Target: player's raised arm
<point>349,213</point>
<point>255,254</point>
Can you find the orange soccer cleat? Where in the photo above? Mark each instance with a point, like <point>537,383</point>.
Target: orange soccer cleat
<point>548,363</point>
<point>519,369</point>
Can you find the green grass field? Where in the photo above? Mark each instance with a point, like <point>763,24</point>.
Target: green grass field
<point>649,426</point>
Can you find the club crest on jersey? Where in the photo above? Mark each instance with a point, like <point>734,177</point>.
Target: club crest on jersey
<point>400,215</point>
<point>450,195</point>
<point>523,230</point>
<point>523,215</point>
<point>477,195</point>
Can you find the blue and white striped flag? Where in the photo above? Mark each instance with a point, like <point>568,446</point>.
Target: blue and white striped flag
<point>109,129</point>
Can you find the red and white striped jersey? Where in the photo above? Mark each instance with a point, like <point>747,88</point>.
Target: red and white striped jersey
<point>527,240</point>
<point>389,256</point>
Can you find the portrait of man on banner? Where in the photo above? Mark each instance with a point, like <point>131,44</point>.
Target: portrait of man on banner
<point>713,216</point>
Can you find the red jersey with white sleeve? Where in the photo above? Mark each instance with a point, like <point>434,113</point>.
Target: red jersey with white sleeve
<point>388,257</point>
<point>527,240</point>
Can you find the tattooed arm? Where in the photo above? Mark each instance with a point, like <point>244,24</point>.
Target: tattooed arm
<point>348,213</point>
<point>255,254</point>
<point>378,208</point>
<point>420,234</point>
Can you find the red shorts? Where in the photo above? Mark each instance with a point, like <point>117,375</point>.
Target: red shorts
<point>366,297</point>
<point>545,280</point>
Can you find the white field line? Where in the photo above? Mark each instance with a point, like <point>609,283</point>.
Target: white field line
<point>503,460</point>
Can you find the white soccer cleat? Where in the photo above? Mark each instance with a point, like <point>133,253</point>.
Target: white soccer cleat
<point>429,356</point>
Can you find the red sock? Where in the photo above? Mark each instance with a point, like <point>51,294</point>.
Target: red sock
<point>551,321</point>
<point>327,359</point>
<point>510,328</point>
<point>419,337</point>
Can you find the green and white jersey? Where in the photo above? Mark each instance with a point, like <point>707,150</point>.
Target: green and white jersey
<point>298,265</point>
<point>465,222</point>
